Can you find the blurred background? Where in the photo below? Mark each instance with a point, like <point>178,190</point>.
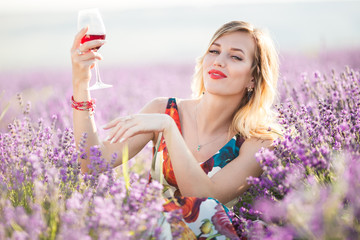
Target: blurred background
<point>152,47</point>
<point>39,33</point>
<point>151,50</point>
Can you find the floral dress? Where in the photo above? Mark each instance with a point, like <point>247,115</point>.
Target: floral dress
<point>203,218</point>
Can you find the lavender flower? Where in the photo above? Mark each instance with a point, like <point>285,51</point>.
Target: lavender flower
<point>313,168</point>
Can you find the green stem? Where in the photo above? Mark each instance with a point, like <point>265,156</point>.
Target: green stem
<point>213,236</point>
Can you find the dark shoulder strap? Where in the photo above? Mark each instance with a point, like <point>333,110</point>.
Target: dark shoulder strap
<point>172,111</point>
<point>171,104</point>
<point>239,140</point>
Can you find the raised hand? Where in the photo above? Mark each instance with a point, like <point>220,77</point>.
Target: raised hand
<point>83,58</point>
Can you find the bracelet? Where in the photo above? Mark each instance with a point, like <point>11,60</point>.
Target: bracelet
<point>84,106</point>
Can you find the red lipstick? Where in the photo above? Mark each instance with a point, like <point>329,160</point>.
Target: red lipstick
<point>216,74</point>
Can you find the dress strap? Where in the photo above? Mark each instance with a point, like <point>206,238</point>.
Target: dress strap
<point>171,103</point>
<point>172,111</point>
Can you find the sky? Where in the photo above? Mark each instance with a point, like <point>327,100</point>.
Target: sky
<point>39,33</point>
<point>21,5</point>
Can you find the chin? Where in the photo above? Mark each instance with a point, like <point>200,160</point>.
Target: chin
<point>217,93</point>
<point>222,92</point>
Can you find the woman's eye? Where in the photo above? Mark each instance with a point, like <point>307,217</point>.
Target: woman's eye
<point>214,51</point>
<point>237,58</point>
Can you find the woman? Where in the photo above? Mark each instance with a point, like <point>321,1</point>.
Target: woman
<point>206,145</point>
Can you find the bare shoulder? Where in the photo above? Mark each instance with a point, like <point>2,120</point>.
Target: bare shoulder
<point>157,105</point>
<point>253,145</point>
<point>186,105</point>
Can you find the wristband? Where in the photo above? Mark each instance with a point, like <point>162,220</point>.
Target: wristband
<point>84,106</point>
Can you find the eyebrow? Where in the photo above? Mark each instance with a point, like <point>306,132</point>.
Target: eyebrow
<point>233,49</point>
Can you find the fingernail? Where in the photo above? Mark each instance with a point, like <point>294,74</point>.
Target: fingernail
<point>112,141</point>
<point>122,139</point>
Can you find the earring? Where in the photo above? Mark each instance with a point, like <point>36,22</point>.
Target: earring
<point>249,93</point>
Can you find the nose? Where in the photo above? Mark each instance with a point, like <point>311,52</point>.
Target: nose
<point>219,61</point>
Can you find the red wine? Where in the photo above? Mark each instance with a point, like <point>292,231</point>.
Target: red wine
<point>92,37</point>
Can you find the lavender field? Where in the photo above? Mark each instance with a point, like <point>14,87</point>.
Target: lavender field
<point>309,188</point>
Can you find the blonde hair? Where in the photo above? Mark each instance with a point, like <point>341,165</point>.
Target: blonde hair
<point>254,117</point>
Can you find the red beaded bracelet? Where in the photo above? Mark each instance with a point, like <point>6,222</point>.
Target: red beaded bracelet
<point>83,106</point>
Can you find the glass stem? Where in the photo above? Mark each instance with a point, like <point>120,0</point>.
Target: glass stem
<point>97,73</point>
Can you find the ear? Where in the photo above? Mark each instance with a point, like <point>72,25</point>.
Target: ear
<point>252,83</point>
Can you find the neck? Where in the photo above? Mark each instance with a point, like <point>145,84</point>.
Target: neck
<point>215,113</point>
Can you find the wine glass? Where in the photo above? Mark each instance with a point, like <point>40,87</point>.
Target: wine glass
<point>92,19</point>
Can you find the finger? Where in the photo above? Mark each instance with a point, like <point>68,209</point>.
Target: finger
<point>90,56</point>
<point>78,37</point>
<point>114,122</point>
<point>94,44</point>
<point>111,124</point>
<point>130,133</point>
<point>113,132</point>
<point>87,64</point>
<point>119,134</point>
<point>86,55</point>
<point>118,129</point>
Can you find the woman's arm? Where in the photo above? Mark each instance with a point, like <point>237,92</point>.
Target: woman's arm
<point>81,75</point>
<point>225,185</point>
<point>136,142</point>
<point>83,122</point>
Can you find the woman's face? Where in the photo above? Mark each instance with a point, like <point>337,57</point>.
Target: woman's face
<point>227,64</point>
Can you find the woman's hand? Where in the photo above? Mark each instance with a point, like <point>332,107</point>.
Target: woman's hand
<point>123,128</point>
<point>83,58</point>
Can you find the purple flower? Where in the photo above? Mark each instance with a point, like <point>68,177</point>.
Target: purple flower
<point>313,168</point>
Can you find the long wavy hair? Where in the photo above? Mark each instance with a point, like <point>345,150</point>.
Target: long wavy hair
<point>255,116</point>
